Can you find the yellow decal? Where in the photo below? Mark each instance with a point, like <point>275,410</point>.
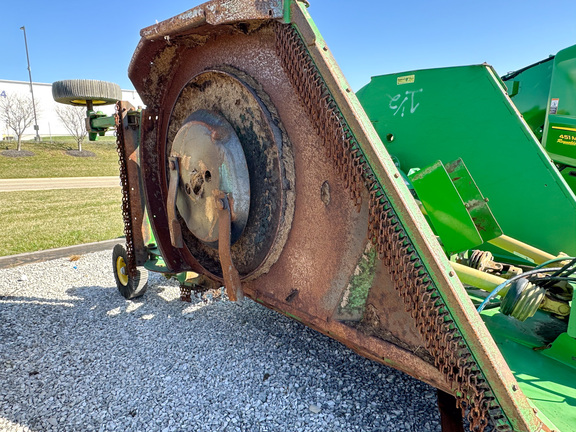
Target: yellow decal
<point>407,79</point>
<point>564,128</point>
<point>567,140</point>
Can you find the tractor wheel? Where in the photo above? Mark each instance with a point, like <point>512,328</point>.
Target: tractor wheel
<point>79,92</point>
<point>128,286</point>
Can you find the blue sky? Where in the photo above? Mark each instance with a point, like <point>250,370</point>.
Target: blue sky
<point>77,39</point>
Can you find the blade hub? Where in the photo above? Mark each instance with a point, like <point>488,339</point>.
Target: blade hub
<point>227,138</point>
<point>211,161</point>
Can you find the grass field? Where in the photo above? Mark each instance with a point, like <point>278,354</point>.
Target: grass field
<point>51,160</point>
<point>38,220</point>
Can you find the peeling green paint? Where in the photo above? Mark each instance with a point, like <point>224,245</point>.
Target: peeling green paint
<point>353,301</point>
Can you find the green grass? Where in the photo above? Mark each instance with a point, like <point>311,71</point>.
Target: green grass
<point>51,160</point>
<point>38,220</point>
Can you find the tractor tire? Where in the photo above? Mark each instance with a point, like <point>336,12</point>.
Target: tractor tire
<point>79,92</point>
<point>128,286</point>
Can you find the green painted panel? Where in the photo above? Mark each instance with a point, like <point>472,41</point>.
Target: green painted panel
<point>464,112</point>
<point>548,383</point>
<point>560,128</point>
<point>474,201</point>
<point>561,139</point>
<point>445,206</point>
<point>529,89</point>
<point>569,175</point>
<point>563,349</point>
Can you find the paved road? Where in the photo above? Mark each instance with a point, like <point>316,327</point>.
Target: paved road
<point>11,185</point>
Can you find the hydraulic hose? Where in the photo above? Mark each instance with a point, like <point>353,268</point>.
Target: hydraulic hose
<point>503,285</point>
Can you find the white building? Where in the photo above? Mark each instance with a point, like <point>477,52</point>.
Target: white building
<point>48,122</point>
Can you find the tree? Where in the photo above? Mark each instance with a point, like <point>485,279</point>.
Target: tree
<point>74,120</point>
<point>17,112</point>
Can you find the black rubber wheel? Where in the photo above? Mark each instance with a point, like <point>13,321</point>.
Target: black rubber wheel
<point>78,92</point>
<point>128,286</point>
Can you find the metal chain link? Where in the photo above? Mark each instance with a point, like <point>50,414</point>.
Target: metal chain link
<point>126,214</point>
<point>411,279</point>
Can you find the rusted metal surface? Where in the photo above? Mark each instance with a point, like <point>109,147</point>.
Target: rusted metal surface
<point>334,189</point>
<point>129,135</point>
<point>452,355</point>
<point>450,414</point>
<point>217,12</point>
<point>132,202</point>
<point>442,339</point>
<point>485,352</point>
<point>230,274</point>
<point>211,160</point>
<point>324,241</point>
<point>173,189</point>
<point>268,153</point>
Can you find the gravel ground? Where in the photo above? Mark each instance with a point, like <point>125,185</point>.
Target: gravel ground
<point>76,356</point>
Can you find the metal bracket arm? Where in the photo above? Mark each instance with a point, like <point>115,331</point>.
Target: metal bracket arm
<point>173,224</point>
<point>231,276</point>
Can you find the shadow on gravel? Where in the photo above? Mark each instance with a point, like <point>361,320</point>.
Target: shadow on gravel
<point>94,361</point>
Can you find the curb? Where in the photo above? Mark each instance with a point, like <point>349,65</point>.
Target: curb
<point>51,254</point>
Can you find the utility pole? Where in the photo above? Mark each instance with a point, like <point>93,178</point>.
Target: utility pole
<point>36,128</point>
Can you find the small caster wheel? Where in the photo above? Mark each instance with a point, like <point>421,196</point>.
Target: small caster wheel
<point>128,286</point>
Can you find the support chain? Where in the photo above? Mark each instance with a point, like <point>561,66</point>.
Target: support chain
<point>185,293</point>
<point>126,215</point>
<point>411,279</point>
